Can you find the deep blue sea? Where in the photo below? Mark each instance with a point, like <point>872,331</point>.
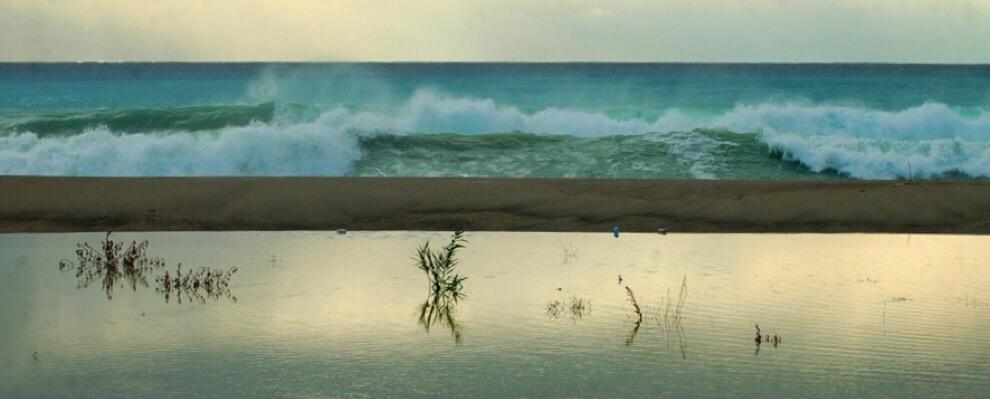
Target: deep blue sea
<point>689,121</point>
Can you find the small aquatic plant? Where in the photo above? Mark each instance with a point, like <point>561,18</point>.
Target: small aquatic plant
<point>668,316</point>
<point>439,266</point>
<point>555,308</point>
<point>110,264</point>
<point>765,338</point>
<point>671,311</point>
<point>639,315</point>
<point>577,307</point>
<point>199,284</point>
<point>445,285</point>
<point>635,304</point>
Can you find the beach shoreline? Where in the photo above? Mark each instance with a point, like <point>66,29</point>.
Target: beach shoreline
<point>70,204</point>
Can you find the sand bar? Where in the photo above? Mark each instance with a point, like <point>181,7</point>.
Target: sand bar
<point>61,204</point>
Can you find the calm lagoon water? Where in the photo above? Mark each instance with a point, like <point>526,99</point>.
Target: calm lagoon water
<point>325,315</point>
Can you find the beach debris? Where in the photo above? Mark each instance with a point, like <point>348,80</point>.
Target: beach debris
<point>662,231</point>
<point>615,231</point>
<point>341,231</point>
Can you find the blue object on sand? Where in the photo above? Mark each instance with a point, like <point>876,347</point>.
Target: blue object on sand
<point>615,231</point>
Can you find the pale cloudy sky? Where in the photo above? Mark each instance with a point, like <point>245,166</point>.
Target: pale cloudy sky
<point>938,31</point>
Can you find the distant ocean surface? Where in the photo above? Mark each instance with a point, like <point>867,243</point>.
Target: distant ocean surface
<point>684,121</point>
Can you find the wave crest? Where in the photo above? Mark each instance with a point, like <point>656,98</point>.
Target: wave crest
<point>196,118</point>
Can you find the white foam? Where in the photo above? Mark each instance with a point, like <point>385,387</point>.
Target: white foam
<point>295,150</point>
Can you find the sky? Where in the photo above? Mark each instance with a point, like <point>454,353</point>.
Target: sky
<point>915,31</point>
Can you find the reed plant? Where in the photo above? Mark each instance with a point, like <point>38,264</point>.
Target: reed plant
<point>440,266</point>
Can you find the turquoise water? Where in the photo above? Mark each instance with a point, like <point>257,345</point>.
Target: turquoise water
<point>314,314</point>
<point>710,121</point>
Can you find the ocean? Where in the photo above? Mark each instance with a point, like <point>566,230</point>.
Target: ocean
<point>569,120</point>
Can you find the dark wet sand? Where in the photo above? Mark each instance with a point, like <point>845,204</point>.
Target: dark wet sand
<point>39,204</point>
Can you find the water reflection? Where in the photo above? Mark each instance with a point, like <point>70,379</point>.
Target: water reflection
<point>111,266</point>
<point>439,310</point>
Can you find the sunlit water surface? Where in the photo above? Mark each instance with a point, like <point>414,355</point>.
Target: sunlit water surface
<point>327,315</point>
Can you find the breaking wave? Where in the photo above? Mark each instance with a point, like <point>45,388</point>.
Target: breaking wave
<point>436,135</point>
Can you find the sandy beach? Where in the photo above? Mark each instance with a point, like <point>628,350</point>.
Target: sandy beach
<point>60,204</point>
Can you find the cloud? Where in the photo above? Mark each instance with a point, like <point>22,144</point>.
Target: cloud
<point>505,30</point>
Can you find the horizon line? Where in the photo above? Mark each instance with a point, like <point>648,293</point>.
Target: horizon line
<point>987,63</point>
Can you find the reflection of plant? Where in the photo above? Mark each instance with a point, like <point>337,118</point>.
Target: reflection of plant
<point>197,285</point>
<point>110,264</point>
<point>439,310</point>
<point>439,266</point>
<point>445,285</point>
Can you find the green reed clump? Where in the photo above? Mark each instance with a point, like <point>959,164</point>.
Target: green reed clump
<point>439,266</point>
<point>446,286</point>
